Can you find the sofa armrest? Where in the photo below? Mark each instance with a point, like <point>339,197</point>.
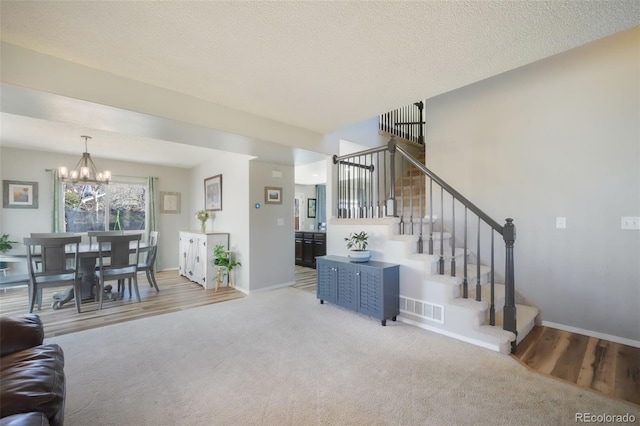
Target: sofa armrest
<point>20,332</point>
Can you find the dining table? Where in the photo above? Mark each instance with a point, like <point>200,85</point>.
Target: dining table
<point>87,260</point>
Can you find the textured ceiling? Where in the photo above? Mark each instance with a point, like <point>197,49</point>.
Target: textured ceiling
<point>316,65</point>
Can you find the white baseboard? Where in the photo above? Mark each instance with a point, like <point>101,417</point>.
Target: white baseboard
<point>242,290</point>
<point>273,287</point>
<point>590,333</point>
<point>168,269</point>
<point>456,336</point>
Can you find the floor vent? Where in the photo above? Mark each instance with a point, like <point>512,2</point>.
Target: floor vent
<point>422,309</point>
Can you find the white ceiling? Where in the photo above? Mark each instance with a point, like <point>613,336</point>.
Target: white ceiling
<point>316,65</point>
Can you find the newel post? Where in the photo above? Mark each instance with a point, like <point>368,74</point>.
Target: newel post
<point>391,201</point>
<point>509,312</point>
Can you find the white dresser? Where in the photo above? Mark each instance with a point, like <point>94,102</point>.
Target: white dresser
<point>196,256</point>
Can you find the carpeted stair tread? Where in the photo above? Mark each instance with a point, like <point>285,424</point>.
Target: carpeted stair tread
<point>470,304</point>
<point>444,279</point>
<point>485,293</point>
<point>525,319</point>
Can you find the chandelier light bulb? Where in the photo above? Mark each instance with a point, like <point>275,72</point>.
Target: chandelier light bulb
<point>85,170</point>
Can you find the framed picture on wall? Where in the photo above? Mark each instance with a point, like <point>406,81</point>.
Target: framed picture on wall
<point>19,195</point>
<point>169,202</point>
<point>311,207</point>
<point>213,193</point>
<point>272,195</point>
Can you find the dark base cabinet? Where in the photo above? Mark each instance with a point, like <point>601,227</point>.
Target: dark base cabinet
<point>309,245</point>
<point>371,288</point>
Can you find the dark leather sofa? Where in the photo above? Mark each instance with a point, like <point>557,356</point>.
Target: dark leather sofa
<point>32,381</point>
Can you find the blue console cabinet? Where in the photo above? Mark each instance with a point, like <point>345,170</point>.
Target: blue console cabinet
<point>371,288</point>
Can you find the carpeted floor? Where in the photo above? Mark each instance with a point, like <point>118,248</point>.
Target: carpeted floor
<point>281,358</point>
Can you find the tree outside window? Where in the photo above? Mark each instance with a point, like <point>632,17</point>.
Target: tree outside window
<point>117,206</point>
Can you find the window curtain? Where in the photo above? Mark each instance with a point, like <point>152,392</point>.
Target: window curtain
<point>58,203</point>
<point>154,209</point>
<point>321,206</point>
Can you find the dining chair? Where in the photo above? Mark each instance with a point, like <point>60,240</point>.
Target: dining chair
<point>94,234</point>
<point>54,269</point>
<point>117,248</point>
<point>149,263</point>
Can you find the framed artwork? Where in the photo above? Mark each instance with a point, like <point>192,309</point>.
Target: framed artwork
<point>311,207</point>
<point>272,195</point>
<point>169,202</point>
<point>19,195</point>
<point>213,193</point>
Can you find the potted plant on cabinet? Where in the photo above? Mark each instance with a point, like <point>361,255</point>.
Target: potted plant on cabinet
<point>222,260</point>
<point>5,245</point>
<point>203,216</point>
<point>357,243</point>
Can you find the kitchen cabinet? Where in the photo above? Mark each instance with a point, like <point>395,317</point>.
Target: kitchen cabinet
<point>308,246</point>
<point>371,288</point>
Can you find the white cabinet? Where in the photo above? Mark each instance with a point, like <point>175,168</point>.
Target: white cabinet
<point>196,256</point>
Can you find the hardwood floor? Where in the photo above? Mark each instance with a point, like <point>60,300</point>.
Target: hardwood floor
<point>176,294</point>
<point>606,367</point>
<point>609,368</point>
<point>305,279</point>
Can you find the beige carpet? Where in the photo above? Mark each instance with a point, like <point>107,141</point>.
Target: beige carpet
<point>281,358</point>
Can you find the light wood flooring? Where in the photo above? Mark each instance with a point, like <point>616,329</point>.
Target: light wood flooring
<point>176,294</point>
<point>612,369</point>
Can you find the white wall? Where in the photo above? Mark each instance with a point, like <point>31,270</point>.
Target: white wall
<point>24,165</point>
<point>308,191</point>
<point>271,226</point>
<point>234,216</point>
<point>557,138</point>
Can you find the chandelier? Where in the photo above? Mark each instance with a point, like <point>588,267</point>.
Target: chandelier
<point>85,171</point>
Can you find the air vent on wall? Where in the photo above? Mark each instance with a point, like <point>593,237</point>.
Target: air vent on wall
<point>422,309</point>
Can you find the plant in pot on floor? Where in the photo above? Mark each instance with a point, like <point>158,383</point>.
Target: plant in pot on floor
<point>222,260</point>
<point>357,243</point>
<point>5,245</point>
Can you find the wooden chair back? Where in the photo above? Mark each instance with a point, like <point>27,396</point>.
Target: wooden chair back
<point>118,249</point>
<point>52,255</point>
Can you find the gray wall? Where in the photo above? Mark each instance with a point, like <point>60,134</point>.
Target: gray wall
<point>271,227</point>
<point>557,138</point>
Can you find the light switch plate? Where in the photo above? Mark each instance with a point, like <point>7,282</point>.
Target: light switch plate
<point>630,222</point>
<point>561,222</point>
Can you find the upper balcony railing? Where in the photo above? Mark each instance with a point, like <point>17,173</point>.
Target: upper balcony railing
<point>407,122</point>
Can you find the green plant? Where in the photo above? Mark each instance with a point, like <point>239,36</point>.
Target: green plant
<point>222,259</point>
<point>357,240</point>
<point>6,243</point>
<point>203,216</point>
<point>71,200</point>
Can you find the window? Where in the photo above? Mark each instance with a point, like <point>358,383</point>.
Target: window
<point>117,206</point>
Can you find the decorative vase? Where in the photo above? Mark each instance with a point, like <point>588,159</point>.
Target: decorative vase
<point>360,255</point>
<point>203,226</point>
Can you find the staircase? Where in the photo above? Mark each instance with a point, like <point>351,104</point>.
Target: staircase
<point>420,230</point>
